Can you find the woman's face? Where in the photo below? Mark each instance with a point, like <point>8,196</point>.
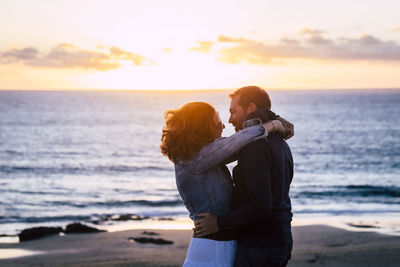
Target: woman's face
<point>218,125</point>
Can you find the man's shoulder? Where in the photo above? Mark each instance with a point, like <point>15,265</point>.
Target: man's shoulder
<point>270,145</point>
<point>278,146</point>
<point>277,140</point>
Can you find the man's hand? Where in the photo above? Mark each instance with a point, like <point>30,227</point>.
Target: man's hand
<point>206,225</point>
<point>288,126</point>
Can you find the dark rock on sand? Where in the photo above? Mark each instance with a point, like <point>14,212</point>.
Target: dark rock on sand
<point>149,233</point>
<point>165,219</point>
<point>149,240</point>
<point>314,259</point>
<point>124,217</point>
<point>38,232</point>
<point>337,244</point>
<point>128,217</point>
<point>363,225</point>
<point>75,228</point>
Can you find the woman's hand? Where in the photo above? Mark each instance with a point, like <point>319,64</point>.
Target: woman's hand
<point>275,126</point>
<point>206,225</point>
<point>288,126</point>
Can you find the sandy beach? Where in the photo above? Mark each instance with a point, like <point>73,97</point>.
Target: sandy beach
<point>314,245</point>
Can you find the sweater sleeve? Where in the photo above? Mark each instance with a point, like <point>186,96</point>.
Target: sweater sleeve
<point>223,148</point>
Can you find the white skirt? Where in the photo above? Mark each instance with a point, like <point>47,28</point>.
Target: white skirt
<point>204,252</point>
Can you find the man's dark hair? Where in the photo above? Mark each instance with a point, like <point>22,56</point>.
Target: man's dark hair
<point>252,94</point>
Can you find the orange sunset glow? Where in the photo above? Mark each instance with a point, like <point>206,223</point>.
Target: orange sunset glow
<point>199,44</point>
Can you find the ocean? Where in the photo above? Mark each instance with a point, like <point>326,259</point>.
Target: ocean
<point>91,156</point>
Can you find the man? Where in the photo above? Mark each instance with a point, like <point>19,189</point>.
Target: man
<point>261,206</point>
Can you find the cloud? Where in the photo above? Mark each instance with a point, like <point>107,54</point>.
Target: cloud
<point>311,46</point>
<point>167,50</point>
<point>319,40</point>
<point>308,31</point>
<point>120,54</point>
<point>14,55</point>
<point>202,47</point>
<point>366,47</point>
<point>290,42</point>
<point>396,29</point>
<point>226,39</point>
<point>252,52</point>
<point>69,56</point>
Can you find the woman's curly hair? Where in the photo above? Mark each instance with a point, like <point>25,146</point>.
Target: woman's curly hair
<point>187,130</point>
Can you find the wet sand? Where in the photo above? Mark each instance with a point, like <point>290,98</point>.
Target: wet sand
<point>314,245</point>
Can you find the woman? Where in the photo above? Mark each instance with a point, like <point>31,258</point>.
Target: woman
<point>191,139</point>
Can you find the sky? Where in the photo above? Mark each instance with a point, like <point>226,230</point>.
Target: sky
<point>219,44</point>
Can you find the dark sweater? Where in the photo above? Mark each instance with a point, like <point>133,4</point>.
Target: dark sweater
<point>261,204</point>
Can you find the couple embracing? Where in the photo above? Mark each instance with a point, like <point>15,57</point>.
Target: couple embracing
<point>244,220</point>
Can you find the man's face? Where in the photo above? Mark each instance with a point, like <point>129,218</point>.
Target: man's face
<point>238,113</point>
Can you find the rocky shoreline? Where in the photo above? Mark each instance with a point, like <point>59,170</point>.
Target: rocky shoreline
<point>33,233</point>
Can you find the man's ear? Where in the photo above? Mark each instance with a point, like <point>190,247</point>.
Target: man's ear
<point>252,107</point>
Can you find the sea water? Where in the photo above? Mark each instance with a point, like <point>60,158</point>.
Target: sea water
<point>68,156</point>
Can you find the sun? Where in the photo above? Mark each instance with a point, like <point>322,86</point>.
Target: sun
<point>174,71</point>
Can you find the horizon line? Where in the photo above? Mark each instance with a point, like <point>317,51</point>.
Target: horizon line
<point>197,90</point>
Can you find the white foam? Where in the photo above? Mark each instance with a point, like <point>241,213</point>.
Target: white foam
<point>7,253</point>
